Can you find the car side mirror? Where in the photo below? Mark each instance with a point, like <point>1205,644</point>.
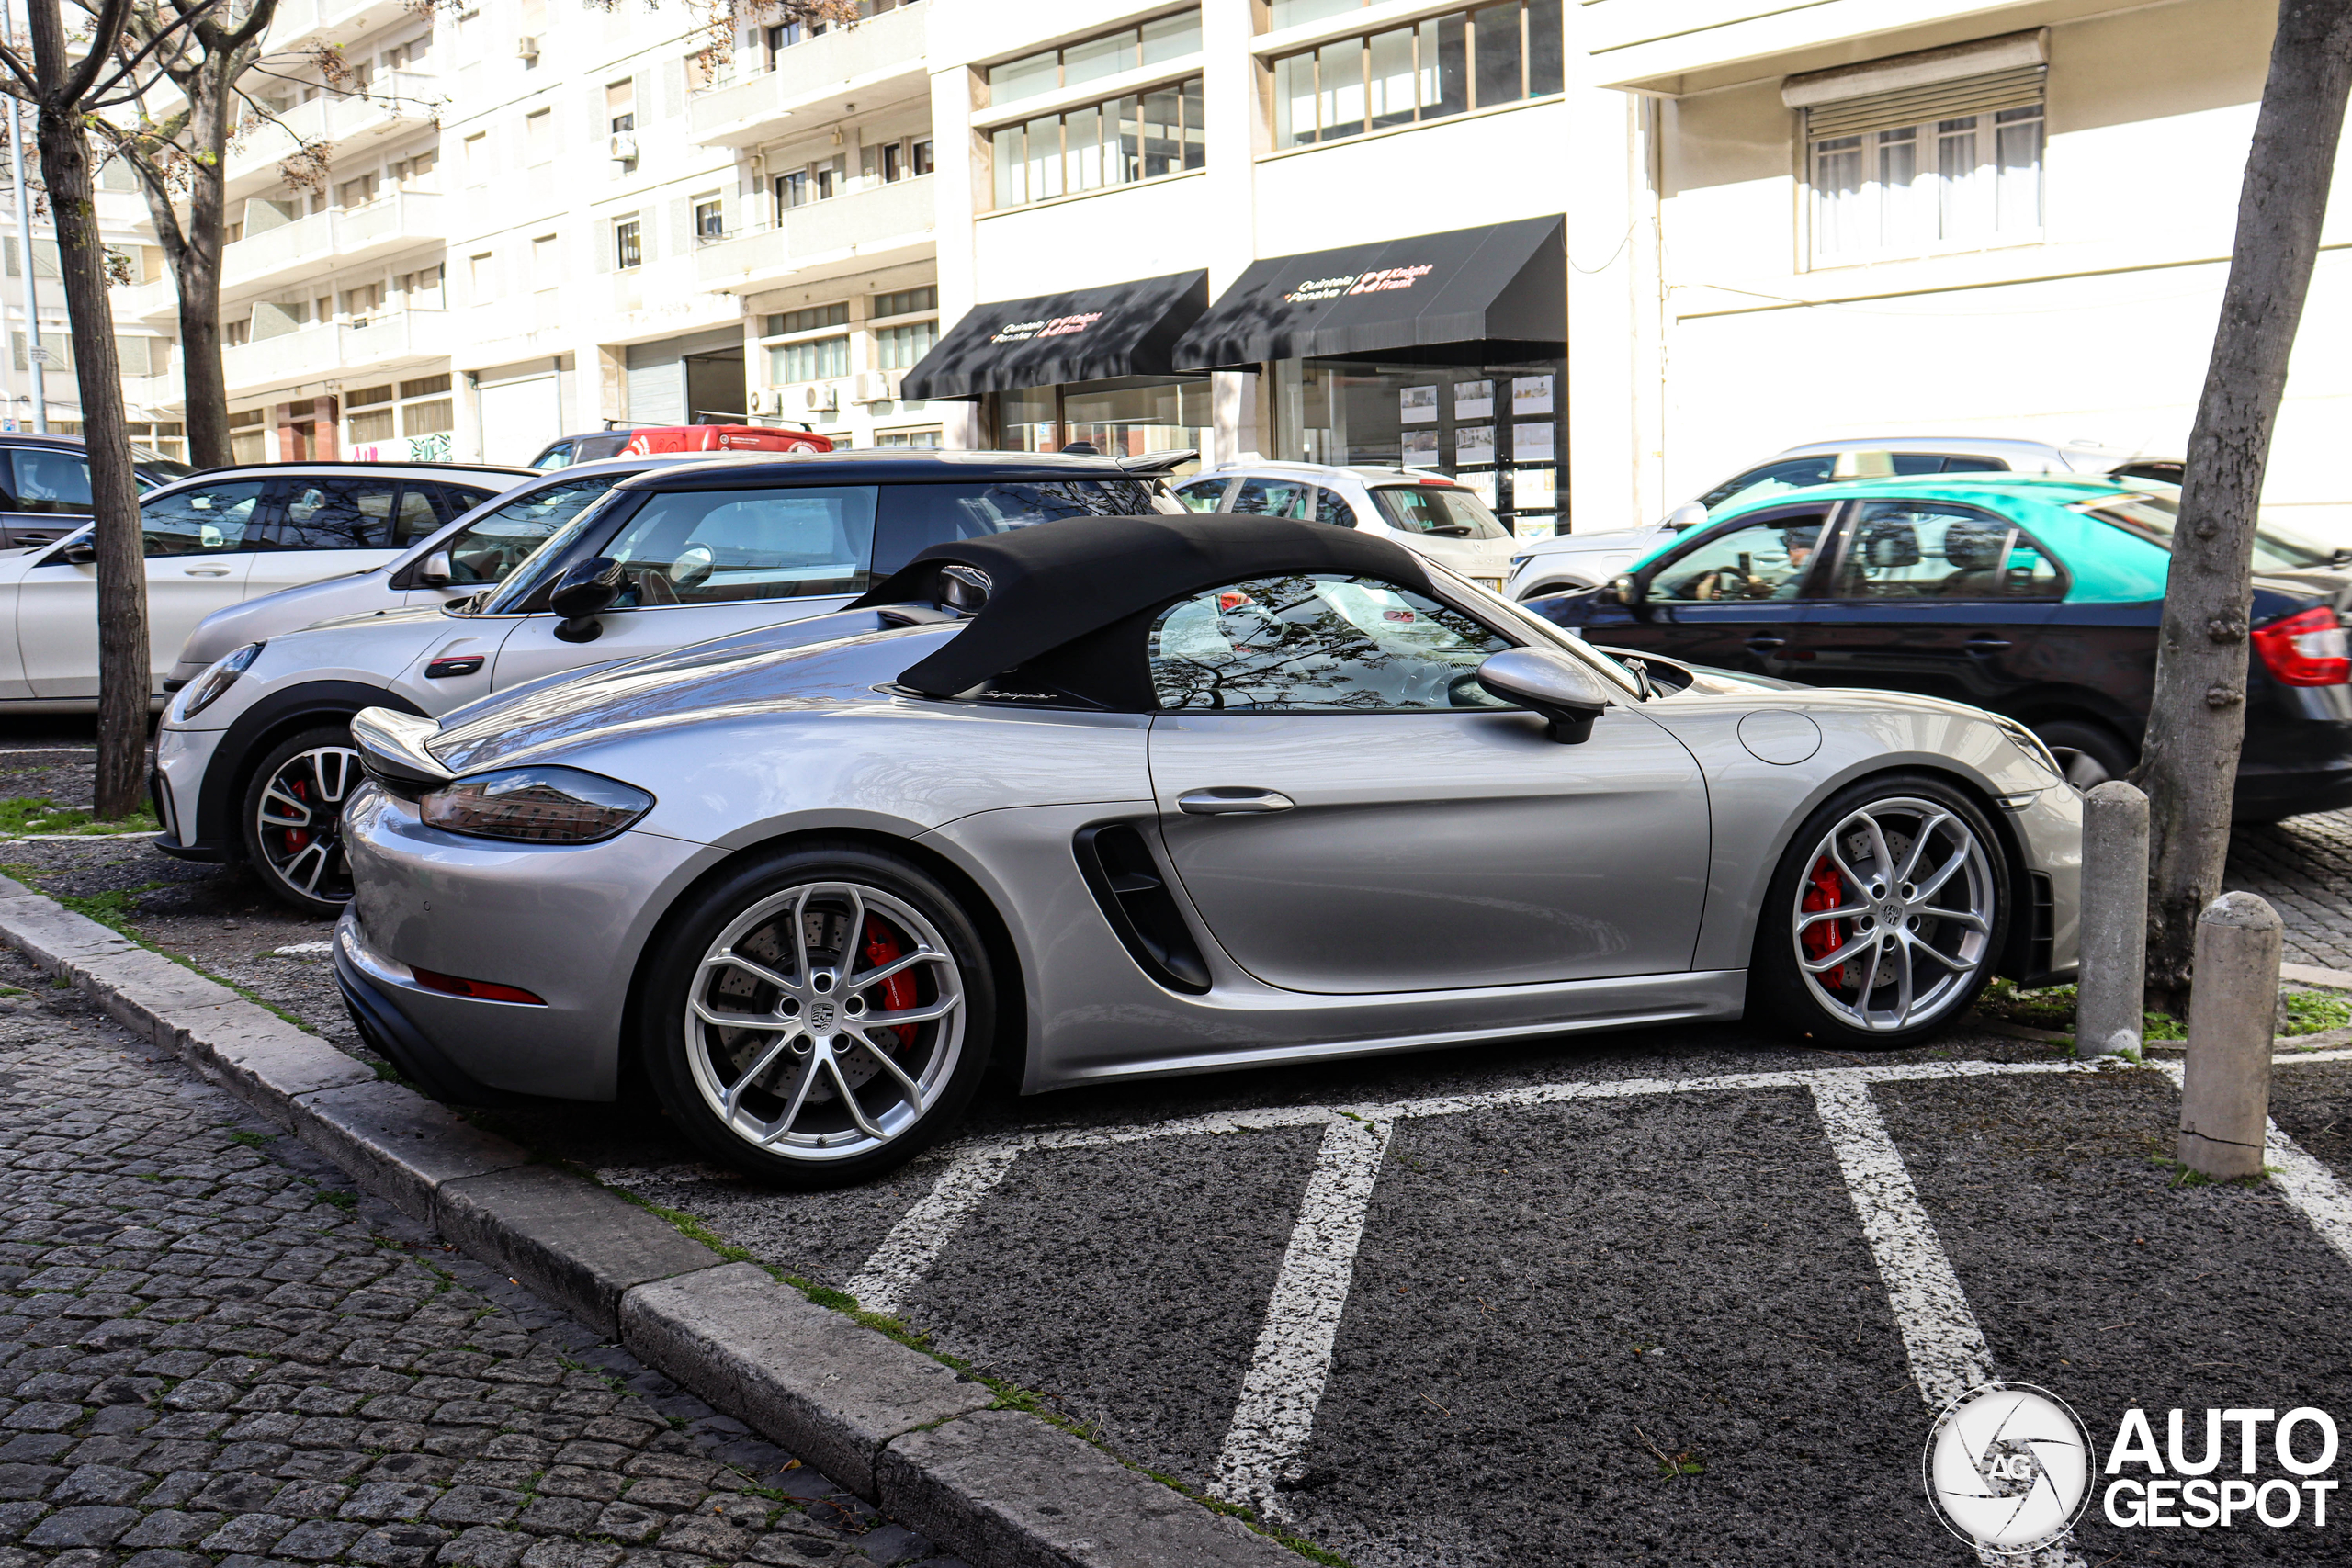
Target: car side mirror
<point>435,570</point>
<point>1690,514</point>
<point>83,554</point>
<point>580,594</point>
<point>1552,684</point>
<point>1624,589</point>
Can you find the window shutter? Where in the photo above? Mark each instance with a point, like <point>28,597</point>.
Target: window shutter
<point>682,226</point>
<point>1934,100</point>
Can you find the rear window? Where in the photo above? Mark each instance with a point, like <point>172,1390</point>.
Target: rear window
<point>1801,473</point>
<point>914,517</point>
<point>2154,516</point>
<point>1443,510</point>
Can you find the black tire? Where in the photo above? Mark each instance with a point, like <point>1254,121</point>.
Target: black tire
<point>293,832</point>
<point>2089,753</point>
<point>721,1085</point>
<point>1840,1010</point>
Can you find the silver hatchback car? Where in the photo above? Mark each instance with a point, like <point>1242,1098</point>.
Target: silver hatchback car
<point>1122,797</point>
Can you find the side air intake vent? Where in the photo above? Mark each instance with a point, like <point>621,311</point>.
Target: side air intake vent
<point>1126,882</point>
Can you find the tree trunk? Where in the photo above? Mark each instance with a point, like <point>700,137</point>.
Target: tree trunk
<point>2197,722</point>
<point>126,680</point>
<point>196,261</point>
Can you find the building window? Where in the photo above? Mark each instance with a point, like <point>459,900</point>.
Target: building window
<point>547,261</point>
<point>818,359</point>
<point>896,348</point>
<point>361,429</point>
<point>710,218</point>
<point>920,156</point>
<point>434,418</point>
<point>1422,71</point>
<point>1171,37</point>
<point>246,438</point>
<point>1128,140</point>
<point>620,115</point>
<point>482,275</point>
<point>355,193</point>
<point>817,317</point>
<point>925,438</point>
<point>786,34</point>
<point>477,148</point>
<point>792,189</point>
<point>363,302</point>
<point>538,138</point>
<point>416,173</point>
<point>628,250</point>
<point>907,301</point>
<point>421,289</point>
<point>1955,181</point>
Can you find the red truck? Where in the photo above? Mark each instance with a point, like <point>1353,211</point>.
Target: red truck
<point>630,443</point>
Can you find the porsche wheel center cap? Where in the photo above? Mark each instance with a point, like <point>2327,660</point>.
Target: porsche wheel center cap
<point>820,1018</point>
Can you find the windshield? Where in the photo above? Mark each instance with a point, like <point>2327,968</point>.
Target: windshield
<point>1443,510</point>
<point>1516,620</point>
<point>493,545</point>
<point>2153,516</point>
<point>541,563</point>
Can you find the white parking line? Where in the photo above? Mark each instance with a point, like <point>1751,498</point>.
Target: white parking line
<point>915,1243</point>
<point>1292,1359</point>
<point>300,948</point>
<point>2304,1181</point>
<point>1940,1336</point>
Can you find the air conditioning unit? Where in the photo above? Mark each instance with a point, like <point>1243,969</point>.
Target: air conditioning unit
<point>768,401</point>
<point>821,397</point>
<point>526,49</point>
<point>875,386</point>
<point>624,146</point>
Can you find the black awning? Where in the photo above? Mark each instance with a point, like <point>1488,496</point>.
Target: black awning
<point>1504,281</point>
<point>1087,335</point>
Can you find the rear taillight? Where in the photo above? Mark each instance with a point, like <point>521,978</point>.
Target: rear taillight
<point>2305,649</point>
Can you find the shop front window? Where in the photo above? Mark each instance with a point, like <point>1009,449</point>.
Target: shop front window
<point>1123,418</point>
<point>1496,427</point>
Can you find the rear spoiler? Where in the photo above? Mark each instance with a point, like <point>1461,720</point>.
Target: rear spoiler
<point>1159,465</point>
<point>392,747</point>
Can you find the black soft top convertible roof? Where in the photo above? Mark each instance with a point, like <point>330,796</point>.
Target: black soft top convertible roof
<point>1055,582</point>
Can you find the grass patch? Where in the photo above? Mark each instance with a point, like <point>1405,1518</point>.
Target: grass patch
<point>2314,1012</point>
<point>2052,1008</point>
<point>251,1139</point>
<point>26,815</point>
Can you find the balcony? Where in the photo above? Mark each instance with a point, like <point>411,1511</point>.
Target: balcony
<point>398,101</point>
<point>1657,42</point>
<point>335,351</point>
<point>340,236</point>
<point>300,21</point>
<point>158,301</point>
<point>873,62</point>
<point>880,226</point>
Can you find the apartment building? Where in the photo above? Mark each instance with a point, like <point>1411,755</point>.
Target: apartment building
<point>1867,217</point>
<point>1321,230</point>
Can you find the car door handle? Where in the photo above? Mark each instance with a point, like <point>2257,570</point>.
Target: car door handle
<point>1763,644</point>
<point>1984,642</point>
<point>1233,802</point>
<point>204,571</point>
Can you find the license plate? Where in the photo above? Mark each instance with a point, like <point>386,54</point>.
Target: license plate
<point>1495,583</point>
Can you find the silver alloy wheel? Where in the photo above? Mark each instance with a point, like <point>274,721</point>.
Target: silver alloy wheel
<point>300,822</point>
<point>1894,914</point>
<point>801,1051</point>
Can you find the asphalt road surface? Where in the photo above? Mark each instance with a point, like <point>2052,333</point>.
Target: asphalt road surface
<point>1672,1296</point>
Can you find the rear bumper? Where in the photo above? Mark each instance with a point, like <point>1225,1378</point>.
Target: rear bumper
<point>385,1030</point>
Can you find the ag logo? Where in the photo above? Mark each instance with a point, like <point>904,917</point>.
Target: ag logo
<point>2009,1468</point>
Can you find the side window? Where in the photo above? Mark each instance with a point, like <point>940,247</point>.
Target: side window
<point>49,480</point>
<point>459,499</point>
<point>1974,466</point>
<point>708,547</point>
<point>493,545</point>
<point>1330,508</point>
<point>205,521</point>
<point>1320,642</point>
<point>1770,479</point>
<point>1273,498</point>
<point>1925,549</point>
<point>914,516</point>
<point>336,514</point>
<point>1202,495</point>
<point>415,517</point>
<point>1761,561</point>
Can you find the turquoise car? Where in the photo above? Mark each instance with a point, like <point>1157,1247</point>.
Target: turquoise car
<point>2034,596</point>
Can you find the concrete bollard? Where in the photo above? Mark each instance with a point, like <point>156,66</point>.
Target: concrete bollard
<point>2107,996</point>
<point>2225,1087</point>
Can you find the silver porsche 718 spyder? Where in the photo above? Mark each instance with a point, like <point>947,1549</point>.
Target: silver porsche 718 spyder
<point>1126,797</point>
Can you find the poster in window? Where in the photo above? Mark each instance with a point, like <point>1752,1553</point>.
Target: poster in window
<point>1532,442</point>
<point>1531,394</point>
<point>1532,489</point>
<point>1536,526</point>
<point>1474,399</point>
<point>1417,405</point>
<point>1473,444</point>
<point>1421,448</point>
<point>1481,485</point>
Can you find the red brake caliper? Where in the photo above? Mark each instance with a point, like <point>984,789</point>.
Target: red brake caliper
<point>1823,890</point>
<point>897,991</point>
<point>297,839</point>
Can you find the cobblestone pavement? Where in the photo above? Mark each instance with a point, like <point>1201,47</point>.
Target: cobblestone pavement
<point>2303,866</point>
<point>216,1354</point>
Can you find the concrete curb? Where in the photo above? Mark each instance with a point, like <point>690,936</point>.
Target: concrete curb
<point>999,1488</point>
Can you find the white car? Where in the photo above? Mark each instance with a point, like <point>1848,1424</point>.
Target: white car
<point>254,760</point>
<point>473,553</point>
<point>1571,561</point>
<point>212,540</point>
<point>1426,513</point>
